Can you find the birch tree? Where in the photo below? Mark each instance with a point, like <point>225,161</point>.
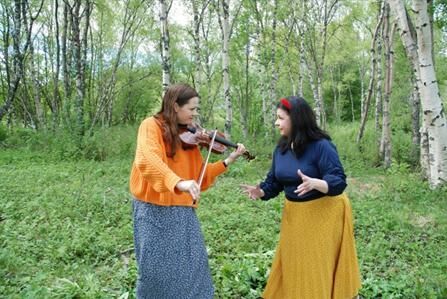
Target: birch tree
<point>259,47</point>
<point>224,16</point>
<point>199,9</point>
<point>226,28</point>
<point>19,22</point>
<point>130,23</point>
<point>385,141</point>
<point>165,6</point>
<point>314,29</point>
<point>372,72</point>
<point>419,47</point>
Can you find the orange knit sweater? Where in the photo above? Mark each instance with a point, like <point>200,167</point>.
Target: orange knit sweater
<point>154,175</point>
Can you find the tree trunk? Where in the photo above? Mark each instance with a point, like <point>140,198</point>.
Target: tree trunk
<point>197,22</point>
<point>225,6</point>
<point>379,85</point>
<point>66,63</point>
<point>415,103</point>
<point>302,68</point>
<point>274,78</point>
<point>56,96</point>
<point>20,18</point>
<point>246,94</point>
<point>385,145</point>
<point>75,15</point>
<point>434,115</point>
<point>35,89</point>
<point>335,94</point>
<point>418,45</point>
<point>165,53</point>
<point>374,54</point>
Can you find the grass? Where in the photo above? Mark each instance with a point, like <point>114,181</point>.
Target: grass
<point>66,229</point>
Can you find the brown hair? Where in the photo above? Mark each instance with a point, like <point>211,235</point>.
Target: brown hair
<point>167,117</point>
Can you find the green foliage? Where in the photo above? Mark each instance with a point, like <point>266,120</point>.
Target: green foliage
<point>399,225</point>
<point>63,145</point>
<point>106,143</point>
<point>3,133</point>
<point>66,226</point>
<point>59,237</point>
<point>355,157</point>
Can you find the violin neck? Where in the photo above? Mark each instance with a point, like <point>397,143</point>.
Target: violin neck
<point>224,141</point>
<point>218,138</point>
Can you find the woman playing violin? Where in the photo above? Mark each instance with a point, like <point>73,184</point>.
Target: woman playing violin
<point>169,246</point>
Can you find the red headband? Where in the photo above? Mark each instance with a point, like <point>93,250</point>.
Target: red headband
<point>285,102</point>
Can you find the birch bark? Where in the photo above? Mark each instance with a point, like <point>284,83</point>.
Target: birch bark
<point>419,47</point>
<point>165,53</point>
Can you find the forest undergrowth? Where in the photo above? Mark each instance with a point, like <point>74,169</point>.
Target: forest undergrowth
<point>66,225</point>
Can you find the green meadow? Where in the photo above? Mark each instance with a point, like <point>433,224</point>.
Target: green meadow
<point>66,223</point>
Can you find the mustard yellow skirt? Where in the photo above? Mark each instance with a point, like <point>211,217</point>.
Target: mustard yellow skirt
<point>316,256</point>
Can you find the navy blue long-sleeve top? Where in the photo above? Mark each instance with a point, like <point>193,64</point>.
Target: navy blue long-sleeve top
<point>319,160</point>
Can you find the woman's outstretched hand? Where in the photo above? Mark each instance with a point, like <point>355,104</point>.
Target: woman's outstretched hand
<point>190,186</point>
<point>253,192</point>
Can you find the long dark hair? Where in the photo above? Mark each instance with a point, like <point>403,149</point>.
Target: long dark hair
<point>167,117</point>
<point>304,127</point>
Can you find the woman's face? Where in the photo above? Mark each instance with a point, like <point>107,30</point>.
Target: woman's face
<point>187,112</point>
<point>283,122</point>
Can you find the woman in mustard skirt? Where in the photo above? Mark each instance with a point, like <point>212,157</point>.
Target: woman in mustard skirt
<point>316,256</point>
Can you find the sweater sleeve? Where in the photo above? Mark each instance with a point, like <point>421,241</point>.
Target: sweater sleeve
<point>271,186</point>
<point>212,171</point>
<point>149,158</point>
<point>331,168</point>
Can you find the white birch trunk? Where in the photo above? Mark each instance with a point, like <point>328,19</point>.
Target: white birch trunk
<point>374,55</point>
<point>319,103</point>
<point>196,36</point>
<point>425,154</point>
<point>40,122</point>
<point>314,89</point>
<point>415,102</point>
<point>225,5</point>
<point>274,78</point>
<point>385,145</point>
<point>379,84</point>
<point>419,48</point>
<point>165,54</point>
<point>434,116</point>
<point>302,68</point>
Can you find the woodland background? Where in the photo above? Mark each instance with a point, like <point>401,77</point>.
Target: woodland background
<point>77,77</point>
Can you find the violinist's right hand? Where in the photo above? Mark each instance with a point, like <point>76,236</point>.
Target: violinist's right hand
<point>254,192</point>
<point>190,186</point>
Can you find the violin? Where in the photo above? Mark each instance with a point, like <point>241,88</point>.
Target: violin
<point>193,135</point>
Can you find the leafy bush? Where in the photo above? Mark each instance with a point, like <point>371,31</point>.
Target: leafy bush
<point>64,145</point>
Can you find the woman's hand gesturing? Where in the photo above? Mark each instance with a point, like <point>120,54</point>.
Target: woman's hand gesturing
<point>253,192</point>
<point>309,184</point>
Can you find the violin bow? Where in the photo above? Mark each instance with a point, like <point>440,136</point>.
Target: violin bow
<point>202,172</point>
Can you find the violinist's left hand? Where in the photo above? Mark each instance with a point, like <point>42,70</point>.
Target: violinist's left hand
<point>236,154</point>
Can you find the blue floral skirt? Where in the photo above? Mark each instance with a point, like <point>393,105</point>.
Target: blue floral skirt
<point>170,251</point>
